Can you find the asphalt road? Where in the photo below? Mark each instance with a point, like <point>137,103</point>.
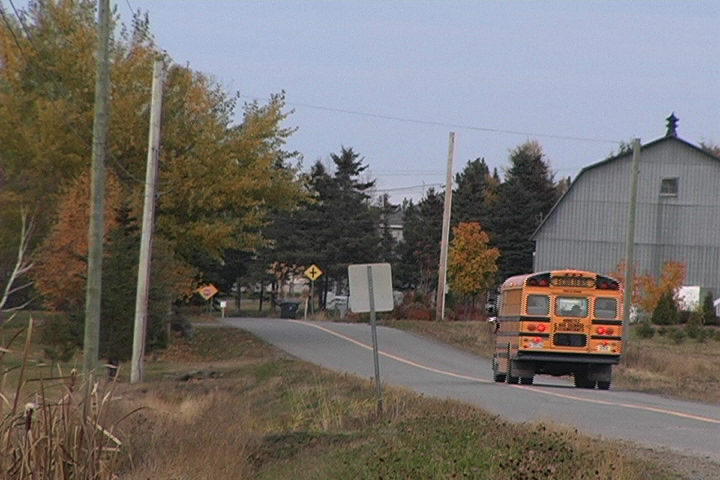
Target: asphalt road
<point>438,370</point>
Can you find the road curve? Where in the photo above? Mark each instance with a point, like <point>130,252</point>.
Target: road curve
<point>441,371</point>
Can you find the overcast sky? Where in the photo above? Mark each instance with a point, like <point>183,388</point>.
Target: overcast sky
<point>392,79</point>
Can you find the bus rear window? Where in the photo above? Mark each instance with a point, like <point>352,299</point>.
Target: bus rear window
<point>571,307</point>
<point>538,304</point>
<point>605,308</point>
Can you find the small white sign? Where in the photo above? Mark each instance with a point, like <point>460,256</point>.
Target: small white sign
<point>360,291</point>
<point>223,303</point>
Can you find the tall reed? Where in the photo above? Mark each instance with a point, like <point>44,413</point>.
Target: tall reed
<point>55,437</point>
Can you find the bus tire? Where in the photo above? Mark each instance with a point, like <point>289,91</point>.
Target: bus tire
<point>582,381</point>
<point>526,380</point>
<point>603,385</point>
<point>497,376</point>
<point>513,380</point>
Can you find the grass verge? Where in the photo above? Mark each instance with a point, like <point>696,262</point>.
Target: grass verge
<point>271,417</point>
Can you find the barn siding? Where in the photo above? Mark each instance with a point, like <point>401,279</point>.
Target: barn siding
<point>587,228</point>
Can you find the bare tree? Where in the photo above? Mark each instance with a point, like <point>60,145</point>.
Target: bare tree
<point>17,280</point>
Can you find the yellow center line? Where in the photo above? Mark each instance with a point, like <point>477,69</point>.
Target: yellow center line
<point>534,389</point>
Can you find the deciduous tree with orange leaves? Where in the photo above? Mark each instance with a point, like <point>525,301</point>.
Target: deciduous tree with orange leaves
<point>648,290</point>
<point>472,264</point>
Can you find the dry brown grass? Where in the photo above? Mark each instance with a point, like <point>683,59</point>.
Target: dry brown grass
<point>689,371</point>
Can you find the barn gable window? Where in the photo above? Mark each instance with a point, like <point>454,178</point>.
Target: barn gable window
<point>669,187</point>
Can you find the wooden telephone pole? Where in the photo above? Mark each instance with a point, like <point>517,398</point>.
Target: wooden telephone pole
<point>97,194</point>
<point>442,270</point>
<point>143,282</point>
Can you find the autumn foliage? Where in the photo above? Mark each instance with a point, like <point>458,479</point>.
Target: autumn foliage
<point>648,290</point>
<point>472,264</point>
<point>61,263</point>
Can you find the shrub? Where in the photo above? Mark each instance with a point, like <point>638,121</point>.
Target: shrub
<point>683,317</point>
<point>645,330</point>
<point>677,335</point>
<point>708,310</point>
<point>694,328</point>
<point>703,335</point>
<point>666,311</point>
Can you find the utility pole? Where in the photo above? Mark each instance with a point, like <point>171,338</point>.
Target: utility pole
<point>442,270</point>
<point>97,192</point>
<point>630,243</point>
<point>143,282</point>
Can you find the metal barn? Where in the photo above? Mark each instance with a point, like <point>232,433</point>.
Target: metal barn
<point>678,214</point>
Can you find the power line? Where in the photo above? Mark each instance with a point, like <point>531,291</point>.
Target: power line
<point>411,187</point>
<point>12,32</point>
<point>449,125</point>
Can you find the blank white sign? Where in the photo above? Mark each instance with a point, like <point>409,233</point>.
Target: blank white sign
<point>360,292</point>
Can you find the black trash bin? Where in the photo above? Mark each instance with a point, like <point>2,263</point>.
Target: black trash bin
<point>289,309</point>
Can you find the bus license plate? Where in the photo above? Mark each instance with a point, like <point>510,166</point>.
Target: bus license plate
<point>603,348</point>
<point>571,326</point>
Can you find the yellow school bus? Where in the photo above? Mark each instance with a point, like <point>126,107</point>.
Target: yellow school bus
<point>562,322</point>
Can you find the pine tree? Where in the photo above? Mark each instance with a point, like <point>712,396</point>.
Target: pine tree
<point>666,311</point>
<point>474,196</point>
<point>708,309</point>
<point>524,198</point>
<point>419,250</point>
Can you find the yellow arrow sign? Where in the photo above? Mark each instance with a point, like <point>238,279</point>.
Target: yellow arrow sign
<point>313,272</point>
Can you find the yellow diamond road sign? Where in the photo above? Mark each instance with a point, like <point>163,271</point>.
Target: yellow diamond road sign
<point>313,272</point>
<point>207,291</point>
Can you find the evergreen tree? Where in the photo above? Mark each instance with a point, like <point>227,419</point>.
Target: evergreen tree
<point>524,198</point>
<point>119,289</point>
<point>666,311</point>
<point>708,309</point>
<point>474,196</point>
<point>419,250</point>
<point>388,243</point>
<point>353,224</point>
<point>337,226</point>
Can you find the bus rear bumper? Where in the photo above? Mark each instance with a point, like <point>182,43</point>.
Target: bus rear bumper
<point>569,357</point>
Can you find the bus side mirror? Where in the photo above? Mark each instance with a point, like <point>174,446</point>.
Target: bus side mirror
<point>490,309</point>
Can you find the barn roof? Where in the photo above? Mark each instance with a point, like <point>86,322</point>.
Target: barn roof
<point>666,138</point>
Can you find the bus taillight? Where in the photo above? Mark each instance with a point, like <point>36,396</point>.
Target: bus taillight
<point>606,283</point>
<point>542,280</point>
<point>605,330</point>
<point>531,327</point>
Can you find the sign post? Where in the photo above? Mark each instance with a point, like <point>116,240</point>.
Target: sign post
<point>207,292</point>
<point>313,273</point>
<point>371,291</point>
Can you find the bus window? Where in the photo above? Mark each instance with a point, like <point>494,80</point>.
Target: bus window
<point>605,308</point>
<point>571,307</point>
<point>538,304</point>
